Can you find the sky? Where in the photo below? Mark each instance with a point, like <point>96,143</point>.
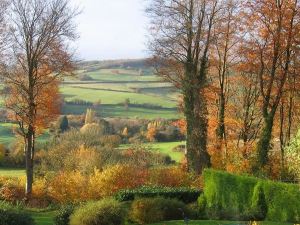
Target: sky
<point>111,29</point>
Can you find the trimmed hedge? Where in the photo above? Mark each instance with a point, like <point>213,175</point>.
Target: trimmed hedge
<point>228,196</point>
<point>186,195</point>
<point>152,210</point>
<point>103,212</point>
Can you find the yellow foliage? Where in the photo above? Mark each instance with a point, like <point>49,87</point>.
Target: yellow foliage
<point>169,177</point>
<point>115,178</point>
<point>68,187</point>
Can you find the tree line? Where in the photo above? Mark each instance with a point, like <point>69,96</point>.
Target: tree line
<point>236,65</point>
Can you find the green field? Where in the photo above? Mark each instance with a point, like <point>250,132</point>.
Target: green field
<point>43,218</point>
<point>115,97</point>
<point>165,148</point>
<point>7,136</point>
<point>113,86</point>
<point>11,172</point>
<point>6,133</point>
<point>120,111</point>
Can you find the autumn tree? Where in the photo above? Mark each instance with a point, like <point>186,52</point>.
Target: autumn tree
<point>182,33</point>
<point>39,33</point>
<point>223,59</point>
<point>273,34</point>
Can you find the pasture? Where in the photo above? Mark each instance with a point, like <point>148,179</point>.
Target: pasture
<point>7,135</point>
<point>12,172</point>
<point>113,86</point>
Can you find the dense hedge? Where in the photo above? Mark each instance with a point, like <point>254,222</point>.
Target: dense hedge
<point>63,215</point>
<point>187,195</point>
<point>152,210</point>
<point>228,196</point>
<point>104,212</point>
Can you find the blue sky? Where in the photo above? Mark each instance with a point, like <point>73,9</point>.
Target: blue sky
<point>111,29</point>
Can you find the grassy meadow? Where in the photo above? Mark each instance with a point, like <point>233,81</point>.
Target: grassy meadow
<point>112,86</point>
<point>11,172</point>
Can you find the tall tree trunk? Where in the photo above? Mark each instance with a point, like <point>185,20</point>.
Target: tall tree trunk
<point>263,144</point>
<point>29,155</point>
<point>195,110</point>
<point>220,131</point>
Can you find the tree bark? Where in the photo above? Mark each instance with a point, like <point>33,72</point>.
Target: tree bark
<point>29,155</point>
<point>263,144</point>
<point>195,110</point>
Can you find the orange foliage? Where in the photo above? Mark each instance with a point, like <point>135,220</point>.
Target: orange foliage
<point>68,187</point>
<point>47,102</point>
<point>169,177</point>
<point>117,177</point>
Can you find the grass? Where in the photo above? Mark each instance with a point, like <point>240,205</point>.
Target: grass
<point>123,75</point>
<point>214,222</point>
<point>115,97</point>
<point>166,148</point>
<point>11,172</point>
<point>7,135</point>
<point>43,218</point>
<point>120,111</point>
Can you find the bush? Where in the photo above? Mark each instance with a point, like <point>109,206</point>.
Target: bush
<point>63,216</point>
<point>13,216</point>
<point>202,206</point>
<point>104,212</point>
<point>186,195</point>
<point>151,210</point>
<point>259,205</point>
<point>231,196</point>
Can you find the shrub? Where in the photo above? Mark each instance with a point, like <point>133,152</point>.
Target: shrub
<point>117,177</point>
<point>231,196</point>
<point>104,212</point>
<point>151,210</point>
<point>13,216</point>
<point>68,187</point>
<point>259,206</point>
<point>63,215</point>
<point>12,189</point>
<point>202,206</point>
<point>186,195</point>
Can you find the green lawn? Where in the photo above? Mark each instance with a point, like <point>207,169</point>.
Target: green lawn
<point>43,218</point>
<point>211,222</point>
<point>165,148</point>
<point>115,97</point>
<point>120,111</point>
<point>9,172</point>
